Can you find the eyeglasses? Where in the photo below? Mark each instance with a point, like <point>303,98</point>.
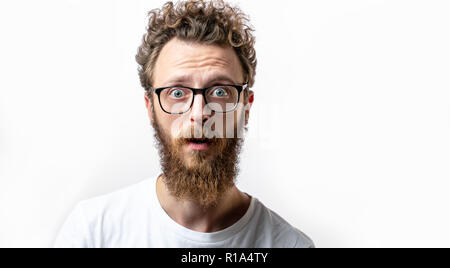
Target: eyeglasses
<point>218,98</point>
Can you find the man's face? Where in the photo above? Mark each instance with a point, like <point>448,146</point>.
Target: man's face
<point>193,170</point>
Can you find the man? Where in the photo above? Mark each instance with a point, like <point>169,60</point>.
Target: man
<point>197,63</point>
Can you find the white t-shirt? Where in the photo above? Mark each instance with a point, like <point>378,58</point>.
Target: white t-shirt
<point>133,217</point>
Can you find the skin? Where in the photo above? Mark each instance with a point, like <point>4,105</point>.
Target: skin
<point>201,65</point>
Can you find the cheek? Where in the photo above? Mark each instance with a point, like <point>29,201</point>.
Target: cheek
<point>167,123</point>
<point>232,122</point>
<point>177,125</point>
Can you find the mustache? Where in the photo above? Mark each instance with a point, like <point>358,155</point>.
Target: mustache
<point>201,134</point>
<point>196,133</point>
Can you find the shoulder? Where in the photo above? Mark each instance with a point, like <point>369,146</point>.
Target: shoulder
<point>92,219</point>
<point>117,206</point>
<point>278,231</point>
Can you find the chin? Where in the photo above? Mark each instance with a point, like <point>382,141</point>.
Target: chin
<point>196,160</point>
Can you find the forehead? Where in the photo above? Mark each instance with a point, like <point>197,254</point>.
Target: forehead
<point>194,63</point>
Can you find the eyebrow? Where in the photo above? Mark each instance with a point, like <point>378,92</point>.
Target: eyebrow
<point>185,78</point>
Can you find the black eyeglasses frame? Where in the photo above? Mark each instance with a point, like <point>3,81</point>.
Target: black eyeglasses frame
<point>202,91</point>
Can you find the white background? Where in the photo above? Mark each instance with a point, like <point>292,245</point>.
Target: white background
<point>349,132</point>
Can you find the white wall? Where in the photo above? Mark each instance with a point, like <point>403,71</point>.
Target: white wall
<point>349,134</point>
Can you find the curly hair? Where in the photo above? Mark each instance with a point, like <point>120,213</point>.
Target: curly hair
<point>207,22</point>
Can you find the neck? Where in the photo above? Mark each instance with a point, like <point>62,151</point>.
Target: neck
<point>190,214</point>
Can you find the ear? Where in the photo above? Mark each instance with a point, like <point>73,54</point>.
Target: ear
<point>149,106</point>
<point>251,99</point>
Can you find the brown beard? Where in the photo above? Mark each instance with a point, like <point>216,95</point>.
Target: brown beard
<point>207,179</point>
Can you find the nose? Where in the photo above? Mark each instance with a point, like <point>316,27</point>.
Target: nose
<point>197,116</point>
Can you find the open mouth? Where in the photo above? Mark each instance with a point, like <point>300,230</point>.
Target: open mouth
<point>199,144</point>
<point>199,141</point>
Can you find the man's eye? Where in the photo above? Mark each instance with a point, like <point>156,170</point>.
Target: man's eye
<point>219,92</point>
<point>177,93</point>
